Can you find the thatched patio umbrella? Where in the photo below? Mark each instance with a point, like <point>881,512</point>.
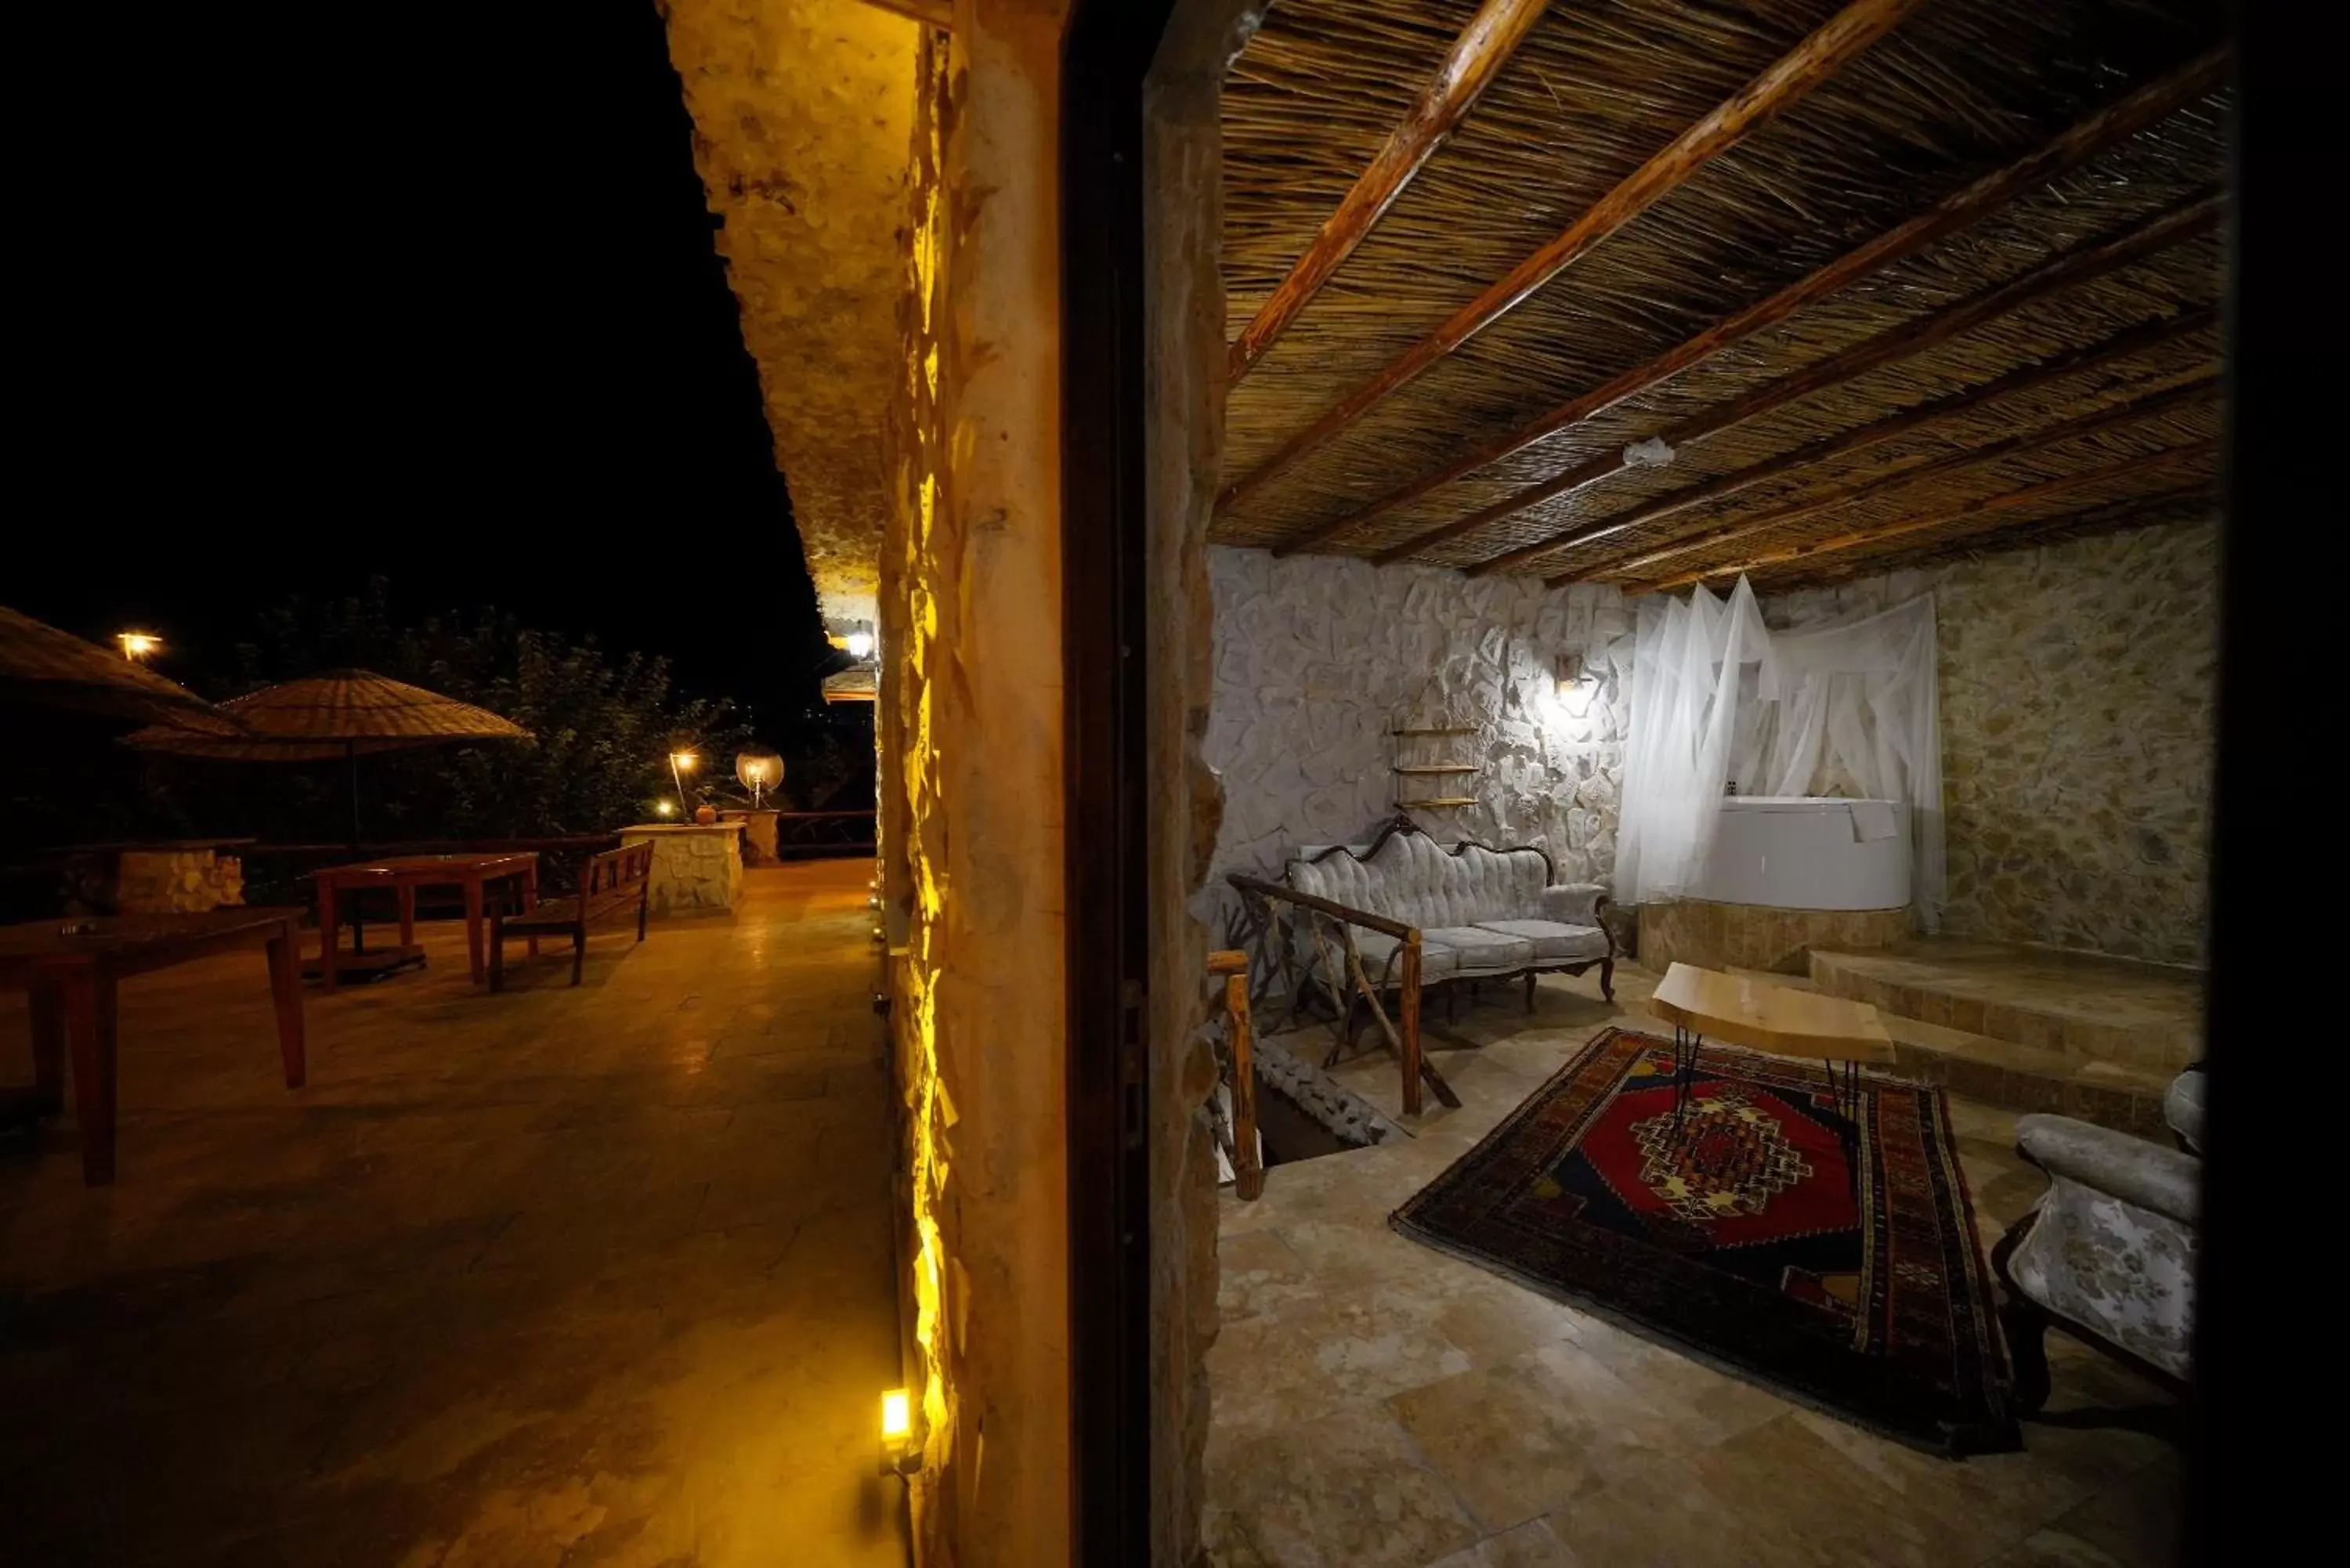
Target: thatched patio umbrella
<point>347,714</point>
<point>41,667</point>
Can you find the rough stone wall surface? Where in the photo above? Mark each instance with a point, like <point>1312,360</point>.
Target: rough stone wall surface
<point>1318,656</point>
<point>803,110</point>
<point>971,723</point>
<point>691,871</point>
<point>2078,701</point>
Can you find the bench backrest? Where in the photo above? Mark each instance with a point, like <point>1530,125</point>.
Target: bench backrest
<point>614,879</point>
<point>1406,876</point>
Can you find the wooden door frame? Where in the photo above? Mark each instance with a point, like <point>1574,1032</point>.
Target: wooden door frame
<point>1108,53</point>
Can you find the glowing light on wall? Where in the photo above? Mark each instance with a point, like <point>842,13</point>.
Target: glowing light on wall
<point>861,644</point>
<point>138,646</point>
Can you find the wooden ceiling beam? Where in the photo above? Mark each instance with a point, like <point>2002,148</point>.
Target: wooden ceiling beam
<point>2174,396</point>
<point>2107,516</point>
<point>2121,346</point>
<point>2117,122</point>
<point>2149,237</point>
<point>1475,58</point>
<point>1782,84</point>
<point>1982,506</point>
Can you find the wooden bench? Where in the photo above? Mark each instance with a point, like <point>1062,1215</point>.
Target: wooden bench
<point>612,883</point>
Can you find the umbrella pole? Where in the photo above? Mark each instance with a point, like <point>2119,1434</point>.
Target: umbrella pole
<point>351,756</point>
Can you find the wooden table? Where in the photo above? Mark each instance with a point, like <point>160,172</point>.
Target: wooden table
<point>69,968</point>
<point>1778,1020</point>
<point>404,874</point>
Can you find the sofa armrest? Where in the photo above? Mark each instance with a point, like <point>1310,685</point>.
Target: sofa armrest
<point>2140,1173</point>
<point>1573,903</point>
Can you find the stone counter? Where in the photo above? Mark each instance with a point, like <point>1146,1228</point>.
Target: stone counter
<point>183,877</point>
<point>696,865</point>
<point>758,823</point>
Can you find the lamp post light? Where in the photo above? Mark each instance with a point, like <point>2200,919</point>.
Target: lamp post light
<point>138,646</point>
<point>680,765</point>
<point>759,773</point>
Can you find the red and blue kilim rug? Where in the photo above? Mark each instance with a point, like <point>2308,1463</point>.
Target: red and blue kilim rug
<point>1745,1236</point>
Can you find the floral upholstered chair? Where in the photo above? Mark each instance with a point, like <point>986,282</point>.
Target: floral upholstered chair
<point>2109,1249</point>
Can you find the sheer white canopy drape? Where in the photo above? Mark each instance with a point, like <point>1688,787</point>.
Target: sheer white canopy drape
<point>1715,696</point>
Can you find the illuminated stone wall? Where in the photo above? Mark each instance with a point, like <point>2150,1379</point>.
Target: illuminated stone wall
<point>970,728</point>
<point>803,110</point>
<point>2078,688</point>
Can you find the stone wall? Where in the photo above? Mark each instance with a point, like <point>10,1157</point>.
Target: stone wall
<point>970,727</point>
<point>1318,656</point>
<point>2078,698</point>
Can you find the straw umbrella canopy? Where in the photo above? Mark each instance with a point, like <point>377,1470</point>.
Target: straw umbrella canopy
<point>41,667</point>
<point>346,713</point>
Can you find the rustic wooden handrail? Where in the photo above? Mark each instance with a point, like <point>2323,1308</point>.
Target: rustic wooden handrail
<point>1348,982</point>
<point>1245,1153</point>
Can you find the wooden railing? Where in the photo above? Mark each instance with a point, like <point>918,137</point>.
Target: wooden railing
<point>1238,1136</point>
<point>1279,919</point>
<point>823,835</point>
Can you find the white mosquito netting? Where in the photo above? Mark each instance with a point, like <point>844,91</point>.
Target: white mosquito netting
<point>1715,696</point>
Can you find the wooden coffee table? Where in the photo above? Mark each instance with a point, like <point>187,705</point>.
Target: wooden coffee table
<point>1778,1020</point>
<point>69,967</point>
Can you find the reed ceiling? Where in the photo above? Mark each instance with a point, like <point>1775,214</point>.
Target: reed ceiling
<point>2065,320</point>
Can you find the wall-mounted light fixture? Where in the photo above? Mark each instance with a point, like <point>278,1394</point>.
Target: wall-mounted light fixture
<point>859,643</point>
<point>1573,686</point>
<point>138,646</point>
<point>901,1451</point>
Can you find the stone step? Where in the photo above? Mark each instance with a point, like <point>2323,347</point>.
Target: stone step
<point>2118,1095</point>
<point>2079,1006</point>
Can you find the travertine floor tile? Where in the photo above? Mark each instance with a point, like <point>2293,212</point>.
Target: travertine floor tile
<point>1564,1438</point>
<point>582,1276</point>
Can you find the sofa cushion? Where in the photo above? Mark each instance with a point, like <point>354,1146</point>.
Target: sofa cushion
<point>1554,941</point>
<point>1481,951</point>
<point>1436,960</point>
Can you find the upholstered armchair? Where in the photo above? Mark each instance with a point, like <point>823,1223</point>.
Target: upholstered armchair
<point>2109,1252</point>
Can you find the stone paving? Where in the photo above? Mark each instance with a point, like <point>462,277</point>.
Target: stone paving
<point>593,1276</point>
<point>1380,1404</point>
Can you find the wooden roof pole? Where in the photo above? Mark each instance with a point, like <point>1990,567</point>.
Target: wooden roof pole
<point>2091,259</point>
<point>1982,506</point>
<point>2176,395</point>
<point>2116,122</point>
<point>2137,339</point>
<point>1783,83</point>
<point>2114,512</point>
<point>1475,58</point>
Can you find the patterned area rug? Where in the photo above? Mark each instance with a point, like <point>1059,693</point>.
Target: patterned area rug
<point>1746,1237</point>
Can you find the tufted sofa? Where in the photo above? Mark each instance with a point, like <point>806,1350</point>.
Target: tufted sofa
<point>2109,1249</point>
<point>1482,914</point>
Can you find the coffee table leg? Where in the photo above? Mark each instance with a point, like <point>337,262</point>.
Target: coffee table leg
<point>1686,1042</point>
<point>89,1023</point>
<point>46,1007</point>
<point>1845,1093</point>
<point>286,990</point>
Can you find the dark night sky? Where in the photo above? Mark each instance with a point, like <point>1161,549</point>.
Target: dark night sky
<point>438,303</point>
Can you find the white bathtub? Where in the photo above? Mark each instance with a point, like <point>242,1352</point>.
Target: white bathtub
<point>1799,852</point>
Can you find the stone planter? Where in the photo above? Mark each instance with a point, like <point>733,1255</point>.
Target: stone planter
<point>695,866</point>
<point>185,878</point>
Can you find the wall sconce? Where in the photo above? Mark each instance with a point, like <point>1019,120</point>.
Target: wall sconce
<point>901,1451</point>
<point>138,646</point>
<point>1573,687</point>
<point>859,643</point>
